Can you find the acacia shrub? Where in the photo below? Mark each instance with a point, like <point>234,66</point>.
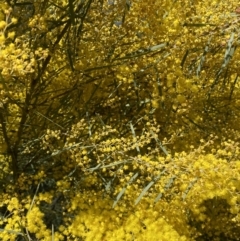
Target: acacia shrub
<point>112,104</point>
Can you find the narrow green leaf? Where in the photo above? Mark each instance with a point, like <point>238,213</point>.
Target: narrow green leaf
<point>148,187</point>
<point>159,46</point>
<point>202,59</point>
<point>143,51</point>
<point>229,51</point>
<point>170,182</point>
<point>189,188</point>
<point>124,189</point>
<point>134,135</point>
<point>34,197</point>
<point>144,192</point>
<point>100,67</point>
<point>158,197</point>
<point>52,232</point>
<point>167,186</point>
<point>114,164</point>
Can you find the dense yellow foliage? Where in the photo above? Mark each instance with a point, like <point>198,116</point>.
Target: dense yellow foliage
<point>119,120</point>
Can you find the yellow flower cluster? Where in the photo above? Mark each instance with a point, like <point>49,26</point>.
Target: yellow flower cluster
<point>36,225</point>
